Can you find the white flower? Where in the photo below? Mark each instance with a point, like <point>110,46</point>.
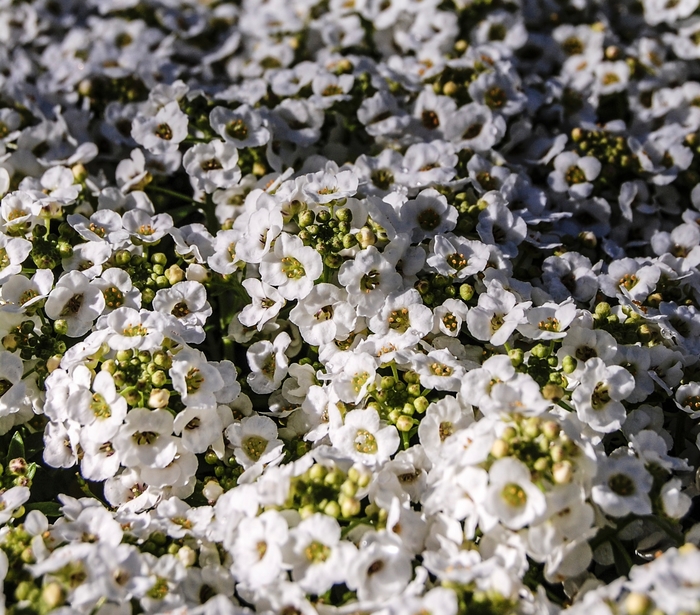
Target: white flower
<point>254,441</point>
<point>291,267</point>
<point>212,165</point>
<point>266,304</point>
<point>13,252</point>
<point>362,438</point>
<point>548,321</point>
<point>243,127</point>
<point>12,389</point>
<point>574,174</point>
<point>368,279</point>
<point>404,314</point>
<point>439,370</point>
<point>132,328</point>
<point>146,228</point>
<point>257,550</point>
<point>145,438</point>
<point>75,300</point>
<point>458,257</point>
<point>319,559</point>
<point>427,215</point>
<point>622,487</point>
<point>511,496</point>
<point>324,186</point>
<point>11,500</point>
<point>24,291</point>
<point>195,379</point>
<point>187,302</point>
<point>163,132</point>
<point>324,315</point>
<point>268,363</point>
<point>496,315</point>
<point>598,398</point>
<point>356,371</point>
<point>101,411</point>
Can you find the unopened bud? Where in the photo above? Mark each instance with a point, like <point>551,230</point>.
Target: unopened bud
<point>158,398</point>
<point>499,448</point>
<point>562,472</point>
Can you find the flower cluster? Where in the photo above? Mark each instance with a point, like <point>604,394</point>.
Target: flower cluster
<point>324,307</point>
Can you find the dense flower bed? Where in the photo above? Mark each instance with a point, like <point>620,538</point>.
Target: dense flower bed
<point>350,306</point>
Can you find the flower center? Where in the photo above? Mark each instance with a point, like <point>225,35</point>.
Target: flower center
<point>365,442</point>
<point>72,305</point>
<point>164,132</point>
<point>28,295</point>
<point>317,552</point>
<point>456,261</point>
<point>254,446</point>
<point>399,320</point>
<point>629,281</point>
<point>621,484</point>
<point>450,322</point>
<point>514,495</point>
<point>292,268</point>
<point>430,119</point>
<point>144,438</point>
<point>5,386</point>
<point>445,430</point>
<point>549,324</point>
<point>574,175</point>
<point>99,406</point>
<point>211,165</point>
<point>237,129</point>
<point>114,297</point>
<point>193,380</point>
<point>600,396</point>
<point>180,310</point>
<point>495,97</point>
<point>369,281</point>
<point>428,219</point>
<point>440,369</point>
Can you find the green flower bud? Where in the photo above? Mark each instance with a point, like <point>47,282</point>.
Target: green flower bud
<point>159,378</point>
<point>344,214</point>
<point>540,351</point>
<point>413,390</point>
<point>394,415</point>
<point>552,392</point>
<point>421,404</point>
<point>366,237</point>
<point>516,356</point>
<point>147,295</point>
<point>159,259</point>
<point>349,488</point>
<point>60,326</point>
<point>408,409</point>
<point>569,364</point>
<point>404,423</point>
<point>541,464</point>
<point>466,292</point>
<point>332,509</point>
<point>387,382</point>
<point>333,261</point>
<point>550,429</point>
<point>349,241</point>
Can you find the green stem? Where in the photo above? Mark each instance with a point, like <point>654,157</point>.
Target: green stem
<point>172,193</point>
<point>566,406</point>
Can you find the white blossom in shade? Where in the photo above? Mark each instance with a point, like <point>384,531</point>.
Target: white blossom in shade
<point>12,389</point>
<point>583,343</point>
<point>199,427</point>
<point>195,379</point>
<point>675,502</point>
<point>598,398</point>
<point>574,174</point>
<point>100,410</point>
<point>382,568</point>
<point>291,266</point>
<point>11,500</point>
<point>622,486</point>
<point>118,290</point>
<point>324,315</point>
<point>458,257</point>
<point>163,132</point>
<point>145,438</point>
<point>437,600</point>
<point>146,228</point>
<point>225,260</point>
<point>449,317</point>
<point>266,303</point>
<point>662,11</point>
<point>61,442</point>
<point>75,300</point>
<point>688,398</point>
<point>325,186</point>
<point>318,557</point>
<point>496,315</point>
<point>13,252</point>
<point>353,373</point>
<point>519,395</point>
<point>548,321</point>
<point>439,370</point>
<point>499,226</point>
<point>368,279</point>
<point>212,165</point>
<point>364,439</point>
<point>569,275</point>
<point>428,215</point>
<point>512,497</point>
<point>268,363</point>
<point>24,291</point>
<point>187,302</point>
<point>257,550</point>
<point>242,127</point>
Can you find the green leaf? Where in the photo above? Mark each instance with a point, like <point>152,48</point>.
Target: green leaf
<point>16,448</point>
<point>50,509</point>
